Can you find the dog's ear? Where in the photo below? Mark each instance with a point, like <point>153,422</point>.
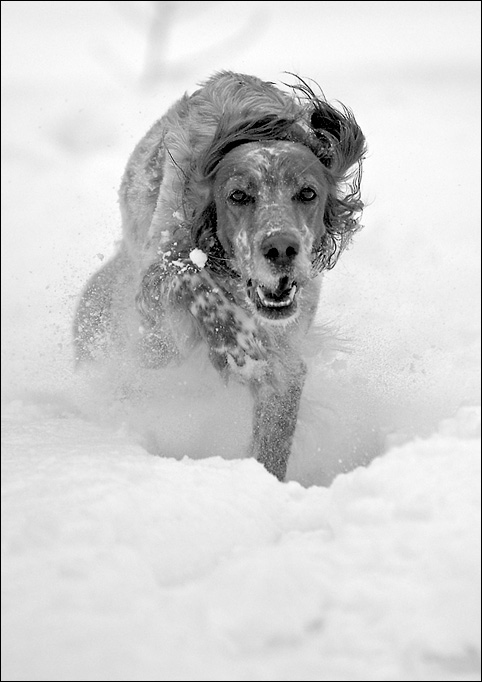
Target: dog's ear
<point>205,237</point>
<point>341,143</point>
<point>340,135</point>
<point>340,148</point>
<point>204,227</point>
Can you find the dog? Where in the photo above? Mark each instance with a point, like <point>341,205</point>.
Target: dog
<point>233,205</point>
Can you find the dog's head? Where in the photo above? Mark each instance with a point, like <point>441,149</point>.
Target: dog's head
<point>270,199</point>
<point>277,201</point>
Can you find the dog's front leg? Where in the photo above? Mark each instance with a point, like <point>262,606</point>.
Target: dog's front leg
<point>235,343</point>
<point>275,416</point>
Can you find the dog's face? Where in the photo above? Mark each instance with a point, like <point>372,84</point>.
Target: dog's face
<point>270,199</point>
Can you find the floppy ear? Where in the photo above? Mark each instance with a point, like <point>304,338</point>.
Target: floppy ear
<point>340,146</point>
<point>205,237</point>
<point>341,142</point>
<point>342,132</point>
<point>203,229</point>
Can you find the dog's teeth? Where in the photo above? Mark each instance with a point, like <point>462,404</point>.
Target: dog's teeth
<point>270,303</point>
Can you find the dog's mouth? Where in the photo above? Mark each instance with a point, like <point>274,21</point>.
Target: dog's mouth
<point>274,304</point>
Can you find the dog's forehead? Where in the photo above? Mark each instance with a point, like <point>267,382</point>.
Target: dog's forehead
<point>270,157</point>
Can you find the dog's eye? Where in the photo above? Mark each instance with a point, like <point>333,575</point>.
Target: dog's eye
<point>306,194</point>
<point>237,196</point>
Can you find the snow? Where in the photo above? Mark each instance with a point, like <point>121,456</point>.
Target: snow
<point>198,257</point>
<point>137,541</point>
<point>124,566</point>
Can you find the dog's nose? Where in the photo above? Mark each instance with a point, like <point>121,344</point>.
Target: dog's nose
<point>280,248</point>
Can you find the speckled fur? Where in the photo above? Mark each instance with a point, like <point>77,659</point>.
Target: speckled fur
<point>254,299</point>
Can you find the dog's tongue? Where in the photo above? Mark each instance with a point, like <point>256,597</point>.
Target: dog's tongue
<point>283,289</point>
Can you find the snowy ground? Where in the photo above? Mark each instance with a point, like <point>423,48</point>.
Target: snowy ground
<point>198,565</point>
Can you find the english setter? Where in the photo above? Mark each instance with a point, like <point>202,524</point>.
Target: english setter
<point>232,206</point>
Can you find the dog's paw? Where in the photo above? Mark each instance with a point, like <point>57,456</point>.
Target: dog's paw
<point>231,362</point>
<point>247,357</point>
<point>248,370</point>
<point>234,346</point>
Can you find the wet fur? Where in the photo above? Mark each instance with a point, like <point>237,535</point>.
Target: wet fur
<point>157,299</point>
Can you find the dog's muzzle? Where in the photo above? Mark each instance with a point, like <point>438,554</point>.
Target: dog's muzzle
<point>276,301</point>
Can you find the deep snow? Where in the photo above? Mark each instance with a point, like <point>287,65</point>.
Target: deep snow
<point>121,565</point>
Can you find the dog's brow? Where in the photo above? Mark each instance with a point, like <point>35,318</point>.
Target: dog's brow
<point>271,165</point>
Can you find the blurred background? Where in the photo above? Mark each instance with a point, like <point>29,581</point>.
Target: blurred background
<point>83,81</point>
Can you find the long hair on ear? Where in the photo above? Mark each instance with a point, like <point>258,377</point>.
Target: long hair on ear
<point>204,236</point>
<point>343,148</point>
